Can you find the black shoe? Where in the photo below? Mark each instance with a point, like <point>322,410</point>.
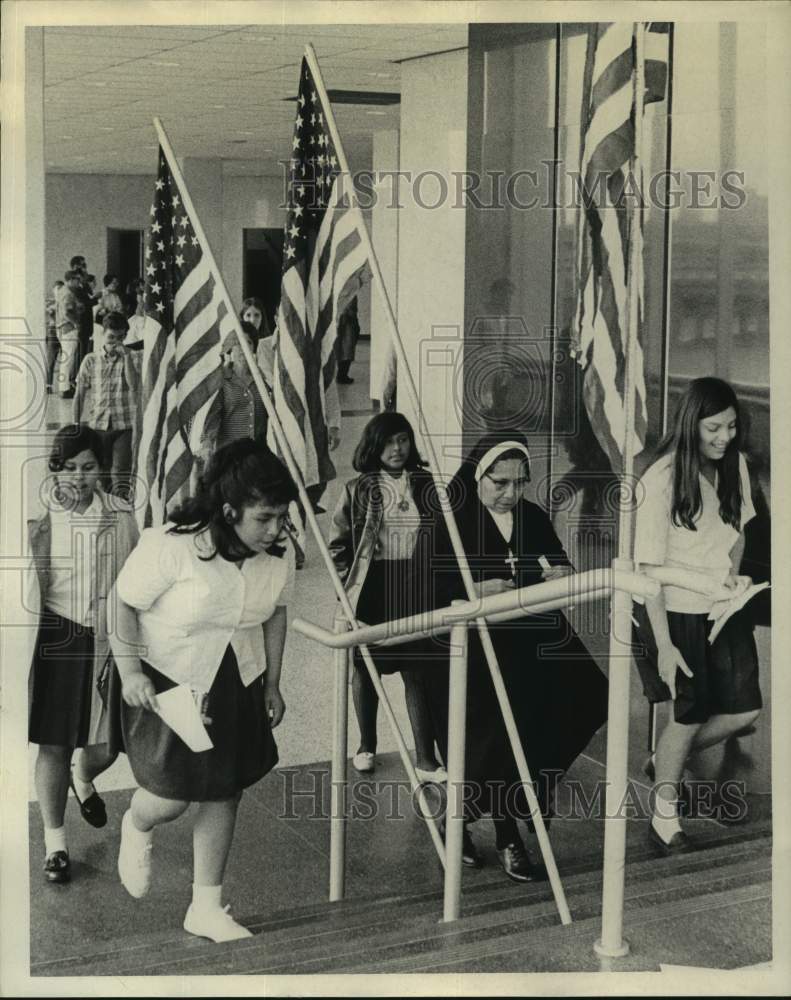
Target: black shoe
<point>517,865</point>
<point>344,380</point>
<point>57,867</point>
<point>679,843</point>
<point>92,809</point>
<point>470,857</point>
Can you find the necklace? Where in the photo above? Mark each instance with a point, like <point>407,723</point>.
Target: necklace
<point>402,494</point>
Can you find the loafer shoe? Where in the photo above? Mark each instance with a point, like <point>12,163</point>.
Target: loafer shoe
<point>439,775</point>
<point>134,858</point>
<point>517,865</point>
<point>679,843</point>
<point>57,867</point>
<point>92,809</point>
<point>215,923</point>
<point>364,761</point>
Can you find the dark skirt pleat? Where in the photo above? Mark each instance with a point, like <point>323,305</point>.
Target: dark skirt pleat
<point>244,749</point>
<point>389,592</point>
<point>61,683</point>
<point>725,674</point>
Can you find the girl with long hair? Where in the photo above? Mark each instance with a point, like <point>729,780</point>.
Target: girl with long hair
<point>380,542</point>
<point>205,596</point>
<point>693,504</point>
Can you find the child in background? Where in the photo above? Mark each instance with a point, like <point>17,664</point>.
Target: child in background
<point>51,343</point>
<point>108,385</point>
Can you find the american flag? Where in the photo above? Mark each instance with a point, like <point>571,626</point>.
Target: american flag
<point>324,265</point>
<point>186,321</point>
<point>607,145</point>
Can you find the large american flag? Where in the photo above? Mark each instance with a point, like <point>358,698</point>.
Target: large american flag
<point>186,321</point>
<point>324,265</point>
<point>607,145</point>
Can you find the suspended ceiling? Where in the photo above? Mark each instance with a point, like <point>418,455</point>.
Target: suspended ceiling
<point>220,91</point>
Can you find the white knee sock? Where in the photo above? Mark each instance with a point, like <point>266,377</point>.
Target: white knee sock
<point>206,897</point>
<point>55,840</point>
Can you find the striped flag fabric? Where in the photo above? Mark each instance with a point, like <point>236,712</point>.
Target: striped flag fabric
<point>324,266</point>
<point>186,321</point>
<point>608,191</point>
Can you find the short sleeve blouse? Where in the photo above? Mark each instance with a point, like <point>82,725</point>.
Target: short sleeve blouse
<point>190,608</point>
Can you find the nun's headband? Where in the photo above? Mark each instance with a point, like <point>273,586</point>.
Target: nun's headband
<point>490,457</point>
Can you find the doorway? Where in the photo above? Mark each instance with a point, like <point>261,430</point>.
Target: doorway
<point>263,264</point>
<point>125,254</point>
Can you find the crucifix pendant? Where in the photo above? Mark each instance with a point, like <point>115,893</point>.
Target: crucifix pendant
<point>511,562</point>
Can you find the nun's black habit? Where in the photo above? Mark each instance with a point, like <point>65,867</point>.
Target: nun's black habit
<point>557,692</point>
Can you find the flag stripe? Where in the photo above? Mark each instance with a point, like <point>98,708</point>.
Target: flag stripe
<point>324,265</point>
<point>607,148</point>
<point>182,360</point>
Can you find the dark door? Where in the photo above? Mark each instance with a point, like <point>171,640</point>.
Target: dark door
<point>125,254</point>
<point>263,262</point>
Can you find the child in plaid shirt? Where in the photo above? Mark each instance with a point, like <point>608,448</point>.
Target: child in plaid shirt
<point>108,387</point>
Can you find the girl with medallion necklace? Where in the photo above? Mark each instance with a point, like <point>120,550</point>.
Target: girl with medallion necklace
<point>380,542</point>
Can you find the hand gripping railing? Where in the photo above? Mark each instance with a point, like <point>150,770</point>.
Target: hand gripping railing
<point>574,589</point>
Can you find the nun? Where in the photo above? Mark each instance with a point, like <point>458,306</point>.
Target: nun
<point>557,692</point>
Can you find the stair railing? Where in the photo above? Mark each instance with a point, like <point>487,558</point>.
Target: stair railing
<point>576,588</point>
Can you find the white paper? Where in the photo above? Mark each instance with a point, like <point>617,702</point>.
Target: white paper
<point>177,708</point>
<point>730,608</point>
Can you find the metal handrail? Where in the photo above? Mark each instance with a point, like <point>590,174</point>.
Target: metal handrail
<point>538,597</point>
<point>620,581</point>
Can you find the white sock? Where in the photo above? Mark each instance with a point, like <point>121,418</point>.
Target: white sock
<point>665,819</point>
<point>135,833</point>
<point>84,789</point>
<point>206,897</point>
<point>54,840</point>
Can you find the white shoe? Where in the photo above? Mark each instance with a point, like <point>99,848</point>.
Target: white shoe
<point>134,858</point>
<point>215,923</point>
<point>438,776</point>
<point>364,761</point>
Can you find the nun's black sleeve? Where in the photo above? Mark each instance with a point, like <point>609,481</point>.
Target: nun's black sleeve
<point>541,527</point>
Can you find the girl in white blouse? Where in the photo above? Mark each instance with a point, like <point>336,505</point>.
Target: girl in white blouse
<point>77,548</point>
<point>693,505</point>
<point>204,597</point>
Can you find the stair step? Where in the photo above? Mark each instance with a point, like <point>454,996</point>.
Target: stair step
<point>314,935</point>
<point>570,949</point>
<point>405,937</point>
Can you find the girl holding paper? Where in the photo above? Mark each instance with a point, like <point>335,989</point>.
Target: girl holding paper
<point>77,548</point>
<point>693,504</point>
<point>205,596</point>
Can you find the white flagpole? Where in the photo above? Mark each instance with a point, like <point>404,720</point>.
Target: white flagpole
<point>296,475</point>
<point>450,521</point>
<point>612,943</point>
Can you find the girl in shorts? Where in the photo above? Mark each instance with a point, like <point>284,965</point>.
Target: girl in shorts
<point>692,508</point>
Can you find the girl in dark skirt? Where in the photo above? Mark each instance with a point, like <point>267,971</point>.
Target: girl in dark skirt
<point>205,596</point>
<point>379,542</point>
<point>78,546</point>
<point>695,502</point>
